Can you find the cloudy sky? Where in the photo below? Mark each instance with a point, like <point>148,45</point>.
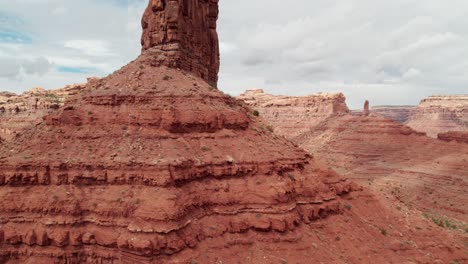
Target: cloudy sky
<point>390,52</point>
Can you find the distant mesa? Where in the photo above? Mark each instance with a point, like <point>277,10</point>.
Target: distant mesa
<point>293,115</point>
<point>440,114</point>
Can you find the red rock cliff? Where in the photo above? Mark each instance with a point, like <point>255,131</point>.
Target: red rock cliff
<point>294,115</point>
<point>182,34</point>
<point>440,114</point>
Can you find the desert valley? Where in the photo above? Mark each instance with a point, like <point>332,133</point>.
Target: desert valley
<point>155,164</point>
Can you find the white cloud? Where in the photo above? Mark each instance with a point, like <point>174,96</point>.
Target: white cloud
<point>91,47</point>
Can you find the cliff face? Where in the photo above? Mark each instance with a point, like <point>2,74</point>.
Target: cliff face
<point>457,136</point>
<point>440,114</point>
<point>20,112</point>
<point>182,34</point>
<point>398,113</point>
<point>293,116</point>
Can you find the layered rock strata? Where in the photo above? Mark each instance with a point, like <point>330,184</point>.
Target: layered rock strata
<point>454,136</point>
<point>154,165</point>
<point>182,34</point>
<point>150,162</point>
<point>440,114</point>
<point>20,112</point>
<point>395,112</point>
<point>391,158</point>
<point>295,115</point>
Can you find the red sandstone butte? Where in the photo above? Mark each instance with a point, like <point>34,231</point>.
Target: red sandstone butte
<point>182,34</point>
<point>153,165</point>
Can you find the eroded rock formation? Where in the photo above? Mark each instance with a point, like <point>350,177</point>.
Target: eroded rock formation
<point>457,136</point>
<point>153,165</point>
<point>366,110</point>
<point>440,114</point>
<point>295,115</point>
<point>182,34</point>
<point>19,112</point>
<point>389,157</point>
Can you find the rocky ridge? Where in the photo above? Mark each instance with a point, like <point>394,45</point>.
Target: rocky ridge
<point>295,115</point>
<point>19,112</point>
<point>454,136</point>
<point>391,158</point>
<point>440,114</point>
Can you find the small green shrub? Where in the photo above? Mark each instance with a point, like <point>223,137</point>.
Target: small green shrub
<point>205,148</point>
<point>166,77</point>
<point>256,113</point>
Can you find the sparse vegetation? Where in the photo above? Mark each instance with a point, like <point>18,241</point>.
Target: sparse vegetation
<point>166,77</point>
<point>446,222</point>
<point>256,113</point>
<point>270,128</point>
<point>205,148</point>
<point>348,206</point>
<point>383,231</point>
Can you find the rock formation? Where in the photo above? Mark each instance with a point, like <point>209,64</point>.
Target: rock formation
<point>153,165</point>
<point>399,113</point>
<point>457,136</point>
<point>293,116</point>
<point>440,114</point>
<point>424,173</point>
<point>366,111</point>
<point>182,34</point>
<point>20,112</point>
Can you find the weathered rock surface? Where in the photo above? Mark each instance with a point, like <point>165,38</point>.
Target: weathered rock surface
<point>399,113</point>
<point>454,136</point>
<point>293,116</point>
<point>425,173</point>
<point>182,34</point>
<point>20,112</point>
<point>153,165</point>
<point>440,114</point>
<point>366,110</point>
